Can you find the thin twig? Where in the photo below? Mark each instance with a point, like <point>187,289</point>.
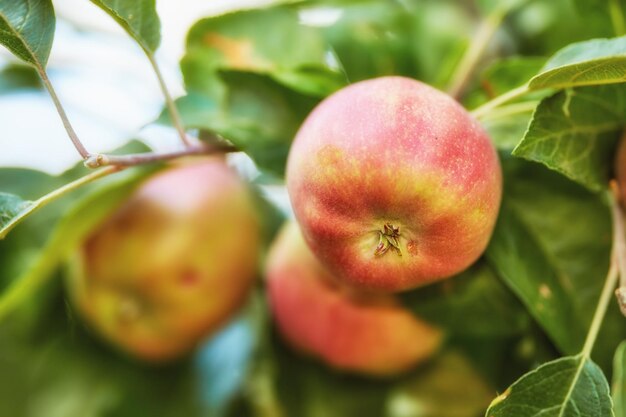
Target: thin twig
<point>504,98</point>
<point>59,192</point>
<point>169,102</point>
<point>620,244</point>
<point>84,153</point>
<point>605,296</point>
<point>99,160</point>
<point>477,47</point>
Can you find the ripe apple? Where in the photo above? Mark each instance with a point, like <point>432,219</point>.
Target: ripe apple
<point>365,333</point>
<point>394,184</point>
<point>172,264</point>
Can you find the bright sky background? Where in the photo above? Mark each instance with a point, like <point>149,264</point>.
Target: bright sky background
<point>104,82</point>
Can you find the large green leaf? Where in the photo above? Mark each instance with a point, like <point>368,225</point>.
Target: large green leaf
<point>270,41</point>
<point>594,62</point>
<point>619,381</point>
<point>475,296</point>
<point>572,386</point>
<point>27,29</point>
<point>534,278</point>
<point>574,132</point>
<point>12,208</point>
<point>551,246</point>
<point>138,17</point>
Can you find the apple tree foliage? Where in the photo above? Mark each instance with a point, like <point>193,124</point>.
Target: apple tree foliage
<point>532,328</point>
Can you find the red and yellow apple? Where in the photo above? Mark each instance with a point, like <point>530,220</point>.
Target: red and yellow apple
<point>172,264</point>
<point>364,333</point>
<point>394,184</point>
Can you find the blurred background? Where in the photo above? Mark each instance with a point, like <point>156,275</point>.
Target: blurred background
<point>104,81</point>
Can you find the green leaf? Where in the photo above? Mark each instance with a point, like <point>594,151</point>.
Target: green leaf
<point>594,62</point>
<point>475,296</point>
<point>369,38</point>
<point>551,246</point>
<point>575,131</point>
<point>534,279</point>
<point>572,386</point>
<point>138,17</point>
<point>58,369</point>
<point>12,210</point>
<point>248,41</point>
<point>447,387</point>
<point>27,29</point>
<point>507,125</point>
<point>508,73</point>
<point>17,77</point>
<point>257,115</point>
<point>619,381</point>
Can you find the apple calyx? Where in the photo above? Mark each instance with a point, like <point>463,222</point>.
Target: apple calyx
<point>388,238</point>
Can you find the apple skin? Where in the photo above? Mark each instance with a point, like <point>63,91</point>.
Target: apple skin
<point>362,333</point>
<point>394,162</point>
<point>173,264</point>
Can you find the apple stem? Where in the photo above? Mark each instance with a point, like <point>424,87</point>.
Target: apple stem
<point>388,238</point>
<point>619,243</point>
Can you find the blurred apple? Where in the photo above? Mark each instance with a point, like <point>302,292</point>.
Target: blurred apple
<point>364,333</point>
<point>173,264</point>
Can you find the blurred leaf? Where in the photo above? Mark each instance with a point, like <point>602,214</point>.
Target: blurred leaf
<point>594,62</point>
<point>504,75</point>
<point>59,370</point>
<point>438,48</point>
<point>138,17</point>
<point>447,387</point>
<point>619,381</point>
<point>27,29</point>
<point>487,6</point>
<point>285,383</point>
<point>270,42</point>
<point>542,27</point>
<point>16,77</point>
<point>256,114</point>
<point>551,246</point>
<point>508,73</point>
<point>475,296</point>
<point>507,125</point>
<point>12,209</point>
<point>568,387</point>
<point>574,132</point>
<point>370,38</point>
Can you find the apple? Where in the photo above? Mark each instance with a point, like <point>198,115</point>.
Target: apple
<point>172,264</point>
<point>370,334</point>
<point>394,184</point>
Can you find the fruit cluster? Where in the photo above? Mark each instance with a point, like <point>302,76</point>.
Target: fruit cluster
<point>393,186</point>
